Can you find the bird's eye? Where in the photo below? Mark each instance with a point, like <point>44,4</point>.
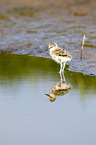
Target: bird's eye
<point>51,46</point>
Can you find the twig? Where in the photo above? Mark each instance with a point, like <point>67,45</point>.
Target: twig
<point>84,37</point>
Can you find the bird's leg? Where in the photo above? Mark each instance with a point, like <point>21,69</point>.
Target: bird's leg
<point>63,66</point>
<point>64,77</point>
<point>61,77</point>
<point>60,68</point>
<point>61,71</point>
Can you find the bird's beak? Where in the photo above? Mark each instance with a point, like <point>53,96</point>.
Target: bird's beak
<point>47,95</point>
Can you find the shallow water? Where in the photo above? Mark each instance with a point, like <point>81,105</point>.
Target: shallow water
<point>27,116</point>
<point>28,28</point>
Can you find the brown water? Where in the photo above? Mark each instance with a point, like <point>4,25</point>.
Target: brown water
<point>28,116</point>
<point>28,27</point>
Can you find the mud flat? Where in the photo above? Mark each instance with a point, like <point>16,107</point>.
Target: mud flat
<point>28,28</point>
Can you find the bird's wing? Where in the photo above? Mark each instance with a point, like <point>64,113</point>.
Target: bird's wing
<point>61,52</point>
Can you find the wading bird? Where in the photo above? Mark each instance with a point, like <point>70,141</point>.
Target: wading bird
<point>59,55</point>
<point>59,89</point>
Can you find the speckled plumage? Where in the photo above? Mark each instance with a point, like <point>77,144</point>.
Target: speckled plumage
<point>59,55</point>
<point>59,89</point>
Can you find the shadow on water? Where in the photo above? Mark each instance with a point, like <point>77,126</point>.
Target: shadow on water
<point>17,68</point>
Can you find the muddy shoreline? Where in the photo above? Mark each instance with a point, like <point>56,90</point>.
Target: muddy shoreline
<point>28,29</point>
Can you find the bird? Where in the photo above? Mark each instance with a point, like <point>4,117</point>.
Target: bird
<point>59,55</point>
<point>59,89</point>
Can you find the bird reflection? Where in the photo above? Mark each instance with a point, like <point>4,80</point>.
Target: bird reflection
<point>59,89</point>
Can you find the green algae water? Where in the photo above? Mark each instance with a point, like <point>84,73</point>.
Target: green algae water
<point>28,116</point>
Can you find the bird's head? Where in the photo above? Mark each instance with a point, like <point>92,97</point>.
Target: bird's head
<point>51,97</point>
<point>52,45</point>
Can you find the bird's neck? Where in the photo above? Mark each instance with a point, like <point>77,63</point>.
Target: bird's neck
<point>53,48</point>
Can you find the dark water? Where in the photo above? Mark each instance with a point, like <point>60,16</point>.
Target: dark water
<point>27,116</point>
<point>28,27</point>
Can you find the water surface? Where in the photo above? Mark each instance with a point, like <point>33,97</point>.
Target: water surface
<point>27,116</point>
